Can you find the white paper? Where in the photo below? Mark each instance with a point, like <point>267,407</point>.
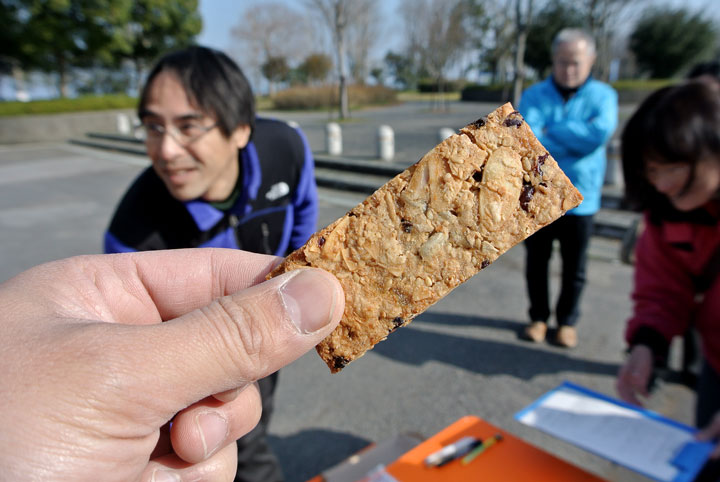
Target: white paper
<point>612,431</point>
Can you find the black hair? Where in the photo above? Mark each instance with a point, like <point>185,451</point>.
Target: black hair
<point>679,123</point>
<point>212,81</point>
<point>711,68</point>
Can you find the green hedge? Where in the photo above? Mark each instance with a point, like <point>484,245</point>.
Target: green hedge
<point>646,85</point>
<point>486,93</point>
<point>635,91</point>
<point>313,98</point>
<point>291,99</point>
<point>629,91</point>
<point>448,86</point>
<point>79,104</point>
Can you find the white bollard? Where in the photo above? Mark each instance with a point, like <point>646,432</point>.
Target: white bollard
<point>123,125</point>
<point>444,133</point>
<point>333,139</point>
<point>138,133</point>
<point>385,143</point>
<point>613,168</point>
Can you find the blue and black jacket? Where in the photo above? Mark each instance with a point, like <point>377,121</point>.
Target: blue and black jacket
<point>275,213</point>
<point>575,132</point>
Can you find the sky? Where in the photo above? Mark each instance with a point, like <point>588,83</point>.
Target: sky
<point>220,16</point>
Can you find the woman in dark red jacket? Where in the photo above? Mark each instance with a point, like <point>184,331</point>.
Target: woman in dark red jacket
<point>671,162</point>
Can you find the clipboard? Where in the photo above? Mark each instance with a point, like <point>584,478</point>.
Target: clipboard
<point>638,439</point>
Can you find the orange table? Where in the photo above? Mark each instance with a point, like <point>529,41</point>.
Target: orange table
<point>508,460</point>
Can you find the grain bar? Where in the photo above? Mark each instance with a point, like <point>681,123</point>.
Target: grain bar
<point>466,202</point>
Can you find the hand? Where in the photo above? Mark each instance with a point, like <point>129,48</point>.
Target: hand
<point>635,374</point>
<point>91,376</point>
<point>711,432</point>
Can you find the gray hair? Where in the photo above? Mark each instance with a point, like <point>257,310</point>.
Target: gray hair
<point>568,35</point>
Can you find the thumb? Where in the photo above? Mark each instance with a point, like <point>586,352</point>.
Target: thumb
<point>240,338</point>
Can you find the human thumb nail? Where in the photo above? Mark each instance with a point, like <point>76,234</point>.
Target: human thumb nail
<point>161,475</point>
<point>310,297</point>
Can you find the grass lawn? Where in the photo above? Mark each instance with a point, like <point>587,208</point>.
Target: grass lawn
<point>57,106</point>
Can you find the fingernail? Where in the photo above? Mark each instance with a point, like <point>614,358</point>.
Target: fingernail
<point>229,395</point>
<point>161,475</point>
<point>309,298</point>
<point>213,431</point>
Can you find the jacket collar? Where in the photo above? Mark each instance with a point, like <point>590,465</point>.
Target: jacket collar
<point>206,216</point>
<point>566,93</point>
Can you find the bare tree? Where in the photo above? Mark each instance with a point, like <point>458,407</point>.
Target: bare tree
<point>496,42</point>
<point>270,30</point>
<point>338,15</point>
<point>415,20</point>
<point>604,18</point>
<point>523,19</point>
<point>363,35</point>
<point>435,35</point>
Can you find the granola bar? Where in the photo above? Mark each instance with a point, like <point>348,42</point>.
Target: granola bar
<point>466,202</point>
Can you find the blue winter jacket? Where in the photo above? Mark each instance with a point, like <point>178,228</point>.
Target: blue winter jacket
<point>275,213</point>
<point>575,132</point>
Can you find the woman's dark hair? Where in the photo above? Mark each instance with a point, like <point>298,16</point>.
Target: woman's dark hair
<point>679,123</point>
<point>711,68</point>
<point>213,82</point>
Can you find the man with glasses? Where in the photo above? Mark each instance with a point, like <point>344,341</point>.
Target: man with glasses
<point>220,177</point>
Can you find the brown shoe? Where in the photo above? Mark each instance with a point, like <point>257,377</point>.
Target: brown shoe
<point>535,331</point>
<point>567,337</point>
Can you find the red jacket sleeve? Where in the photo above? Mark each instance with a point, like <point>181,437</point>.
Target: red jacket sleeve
<point>664,296</point>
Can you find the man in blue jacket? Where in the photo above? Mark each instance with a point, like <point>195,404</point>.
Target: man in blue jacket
<point>573,116</point>
<point>220,177</point>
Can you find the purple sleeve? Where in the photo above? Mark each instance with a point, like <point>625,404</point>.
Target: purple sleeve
<point>111,244</point>
<point>305,201</point>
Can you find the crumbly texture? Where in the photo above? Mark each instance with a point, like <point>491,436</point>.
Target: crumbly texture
<point>466,202</point>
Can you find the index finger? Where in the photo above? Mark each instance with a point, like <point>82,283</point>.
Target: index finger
<point>139,288</point>
<point>179,281</point>
<point>627,393</point>
<point>625,386</point>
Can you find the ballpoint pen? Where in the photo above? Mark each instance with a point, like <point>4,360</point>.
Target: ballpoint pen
<point>482,448</point>
<point>453,451</point>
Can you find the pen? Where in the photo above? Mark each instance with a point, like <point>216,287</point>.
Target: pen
<point>452,451</point>
<point>482,448</point>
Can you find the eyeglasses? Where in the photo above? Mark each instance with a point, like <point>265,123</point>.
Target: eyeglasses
<point>185,134</point>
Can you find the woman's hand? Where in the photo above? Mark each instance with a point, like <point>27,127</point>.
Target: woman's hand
<point>635,374</point>
<point>711,432</point>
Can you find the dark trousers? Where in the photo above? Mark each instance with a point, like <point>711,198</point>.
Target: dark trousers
<point>708,404</point>
<point>708,395</point>
<point>573,233</point>
<point>256,460</point>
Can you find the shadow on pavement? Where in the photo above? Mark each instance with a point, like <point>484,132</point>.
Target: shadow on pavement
<point>467,320</point>
<point>524,360</point>
<point>306,454</point>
